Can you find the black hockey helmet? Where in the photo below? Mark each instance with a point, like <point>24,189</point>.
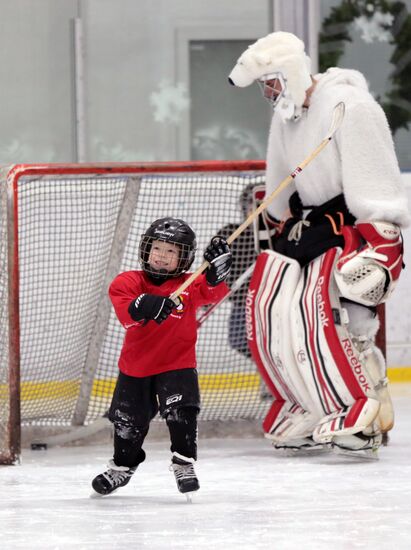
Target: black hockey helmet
<point>169,230</point>
<point>246,199</point>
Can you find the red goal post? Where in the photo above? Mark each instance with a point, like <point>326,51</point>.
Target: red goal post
<point>66,231</point>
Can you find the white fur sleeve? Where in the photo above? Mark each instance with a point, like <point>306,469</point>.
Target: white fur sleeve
<point>372,182</point>
<point>277,170</point>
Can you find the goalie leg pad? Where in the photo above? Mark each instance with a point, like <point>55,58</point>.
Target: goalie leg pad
<point>374,362</point>
<point>351,420</point>
<point>327,358</point>
<point>304,352</point>
<point>268,333</point>
<point>330,364</point>
<point>363,326</point>
<point>286,421</point>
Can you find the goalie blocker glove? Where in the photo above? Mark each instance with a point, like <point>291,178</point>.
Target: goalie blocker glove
<point>151,307</point>
<point>218,255</point>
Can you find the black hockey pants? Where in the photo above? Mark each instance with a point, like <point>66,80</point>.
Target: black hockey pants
<point>321,232</point>
<point>136,401</point>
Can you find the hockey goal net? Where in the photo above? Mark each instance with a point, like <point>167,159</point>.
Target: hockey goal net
<point>66,232</point>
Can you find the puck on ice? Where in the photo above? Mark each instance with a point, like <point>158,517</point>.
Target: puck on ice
<point>39,446</point>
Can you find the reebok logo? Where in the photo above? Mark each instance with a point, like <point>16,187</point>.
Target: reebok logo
<point>355,364</point>
<point>249,313</point>
<point>321,304</point>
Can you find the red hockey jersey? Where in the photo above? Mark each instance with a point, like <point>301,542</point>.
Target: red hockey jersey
<point>151,348</point>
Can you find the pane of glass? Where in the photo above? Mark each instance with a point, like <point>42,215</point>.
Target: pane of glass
<point>374,38</point>
<point>36,116</point>
<point>136,75</point>
<point>138,82</point>
<point>226,122</point>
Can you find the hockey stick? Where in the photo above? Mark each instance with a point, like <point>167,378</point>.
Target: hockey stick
<point>338,115</point>
<point>80,432</point>
<point>237,284</point>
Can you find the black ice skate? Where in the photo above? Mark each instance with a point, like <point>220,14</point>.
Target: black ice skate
<point>112,479</point>
<point>184,473</point>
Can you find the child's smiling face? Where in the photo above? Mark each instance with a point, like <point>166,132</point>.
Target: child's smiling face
<point>164,255</point>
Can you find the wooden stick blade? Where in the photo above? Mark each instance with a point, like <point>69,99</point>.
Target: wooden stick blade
<point>338,115</point>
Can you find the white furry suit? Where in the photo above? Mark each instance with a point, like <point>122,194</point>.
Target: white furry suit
<point>360,161</point>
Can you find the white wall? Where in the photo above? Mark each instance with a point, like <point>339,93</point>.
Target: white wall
<point>398,309</point>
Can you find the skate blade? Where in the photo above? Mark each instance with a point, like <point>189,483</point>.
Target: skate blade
<point>303,452</point>
<point>189,497</point>
<point>314,450</point>
<point>94,494</point>
<point>361,454</point>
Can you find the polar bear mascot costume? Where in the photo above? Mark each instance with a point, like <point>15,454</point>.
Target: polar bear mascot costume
<point>335,253</point>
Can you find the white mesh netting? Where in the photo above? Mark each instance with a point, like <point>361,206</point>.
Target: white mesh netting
<point>78,231</point>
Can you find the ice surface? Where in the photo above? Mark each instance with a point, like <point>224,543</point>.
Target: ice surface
<point>250,498</point>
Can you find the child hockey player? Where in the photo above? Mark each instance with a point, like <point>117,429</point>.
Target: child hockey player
<point>157,362</point>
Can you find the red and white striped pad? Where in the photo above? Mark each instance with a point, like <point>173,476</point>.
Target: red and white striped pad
<point>328,361</point>
<point>269,297</point>
<point>300,343</point>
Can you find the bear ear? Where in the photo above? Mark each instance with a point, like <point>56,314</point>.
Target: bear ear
<point>262,58</point>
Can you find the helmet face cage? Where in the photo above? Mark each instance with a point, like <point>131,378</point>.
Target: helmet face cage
<point>185,253</point>
<point>172,231</point>
<point>273,87</point>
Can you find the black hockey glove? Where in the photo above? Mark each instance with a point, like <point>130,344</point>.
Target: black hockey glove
<point>218,255</point>
<point>151,306</point>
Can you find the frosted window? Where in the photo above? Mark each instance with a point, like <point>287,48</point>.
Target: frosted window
<point>226,122</point>
<point>374,38</point>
